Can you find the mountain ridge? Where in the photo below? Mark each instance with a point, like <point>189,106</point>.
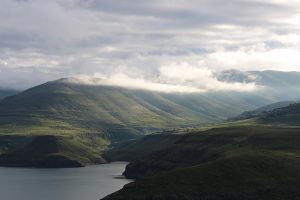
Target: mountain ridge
<point>112,114</point>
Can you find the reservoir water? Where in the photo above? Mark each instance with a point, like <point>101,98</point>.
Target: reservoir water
<point>87,183</point>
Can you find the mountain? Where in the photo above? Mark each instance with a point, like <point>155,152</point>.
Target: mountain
<point>268,78</point>
<point>276,85</point>
<point>232,162</point>
<point>88,118</point>
<point>5,92</point>
<point>281,113</point>
<point>82,120</point>
<point>65,106</point>
<point>262,110</point>
<point>289,115</point>
<point>62,108</point>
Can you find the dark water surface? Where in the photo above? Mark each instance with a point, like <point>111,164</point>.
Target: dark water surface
<point>87,183</point>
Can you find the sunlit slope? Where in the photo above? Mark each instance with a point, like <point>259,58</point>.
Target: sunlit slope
<point>61,107</point>
<point>88,118</point>
<point>51,151</point>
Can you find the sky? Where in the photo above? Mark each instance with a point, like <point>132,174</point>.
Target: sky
<point>164,45</point>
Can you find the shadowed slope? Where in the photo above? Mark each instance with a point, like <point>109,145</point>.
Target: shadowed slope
<point>247,177</point>
<point>232,163</point>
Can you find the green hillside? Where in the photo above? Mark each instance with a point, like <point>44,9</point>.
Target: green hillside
<point>64,108</point>
<point>88,118</point>
<point>137,149</point>
<point>262,110</point>
<point>289,115</point>
<point>200,146</point>
<point>281,113</point>
<point>69,109</point>
<point>51,151</point>
<point>248,176</point>
<point>233,162</point>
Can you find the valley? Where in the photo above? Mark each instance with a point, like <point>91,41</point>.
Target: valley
<point>150,100</point>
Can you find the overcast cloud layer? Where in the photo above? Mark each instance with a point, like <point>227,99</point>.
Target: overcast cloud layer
<point>158,44</point>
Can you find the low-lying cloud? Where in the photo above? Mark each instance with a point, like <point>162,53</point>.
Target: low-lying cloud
<point>125,81</point>
<point>173,78</point>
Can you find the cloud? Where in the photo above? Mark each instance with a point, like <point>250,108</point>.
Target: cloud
<point>200,77</point>
<point>283,59</point>
<point>61,38</point>
<point>173,78</point>
<point>122,80</point>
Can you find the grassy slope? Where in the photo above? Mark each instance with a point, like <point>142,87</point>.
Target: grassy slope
<point>137,149</point>
<point>113,114</point>
<point>262,110</point>
<point>281,113</point>
<point>83,119</point>
<point>63,108</point>
<point>210,145</point>
<point>59,108</point>
<point>51,150</point>
<point>233,162</point>
<point>288,115</point>
<point>247,177</point>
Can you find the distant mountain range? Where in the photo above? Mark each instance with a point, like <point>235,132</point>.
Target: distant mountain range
<point>259,112</point>
<point>277,85</point>
<point>284,113</point>
<point>288,115</point>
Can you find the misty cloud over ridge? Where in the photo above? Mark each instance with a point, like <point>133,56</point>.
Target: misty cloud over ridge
<point>46,40</point>
<point>176,78</point>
